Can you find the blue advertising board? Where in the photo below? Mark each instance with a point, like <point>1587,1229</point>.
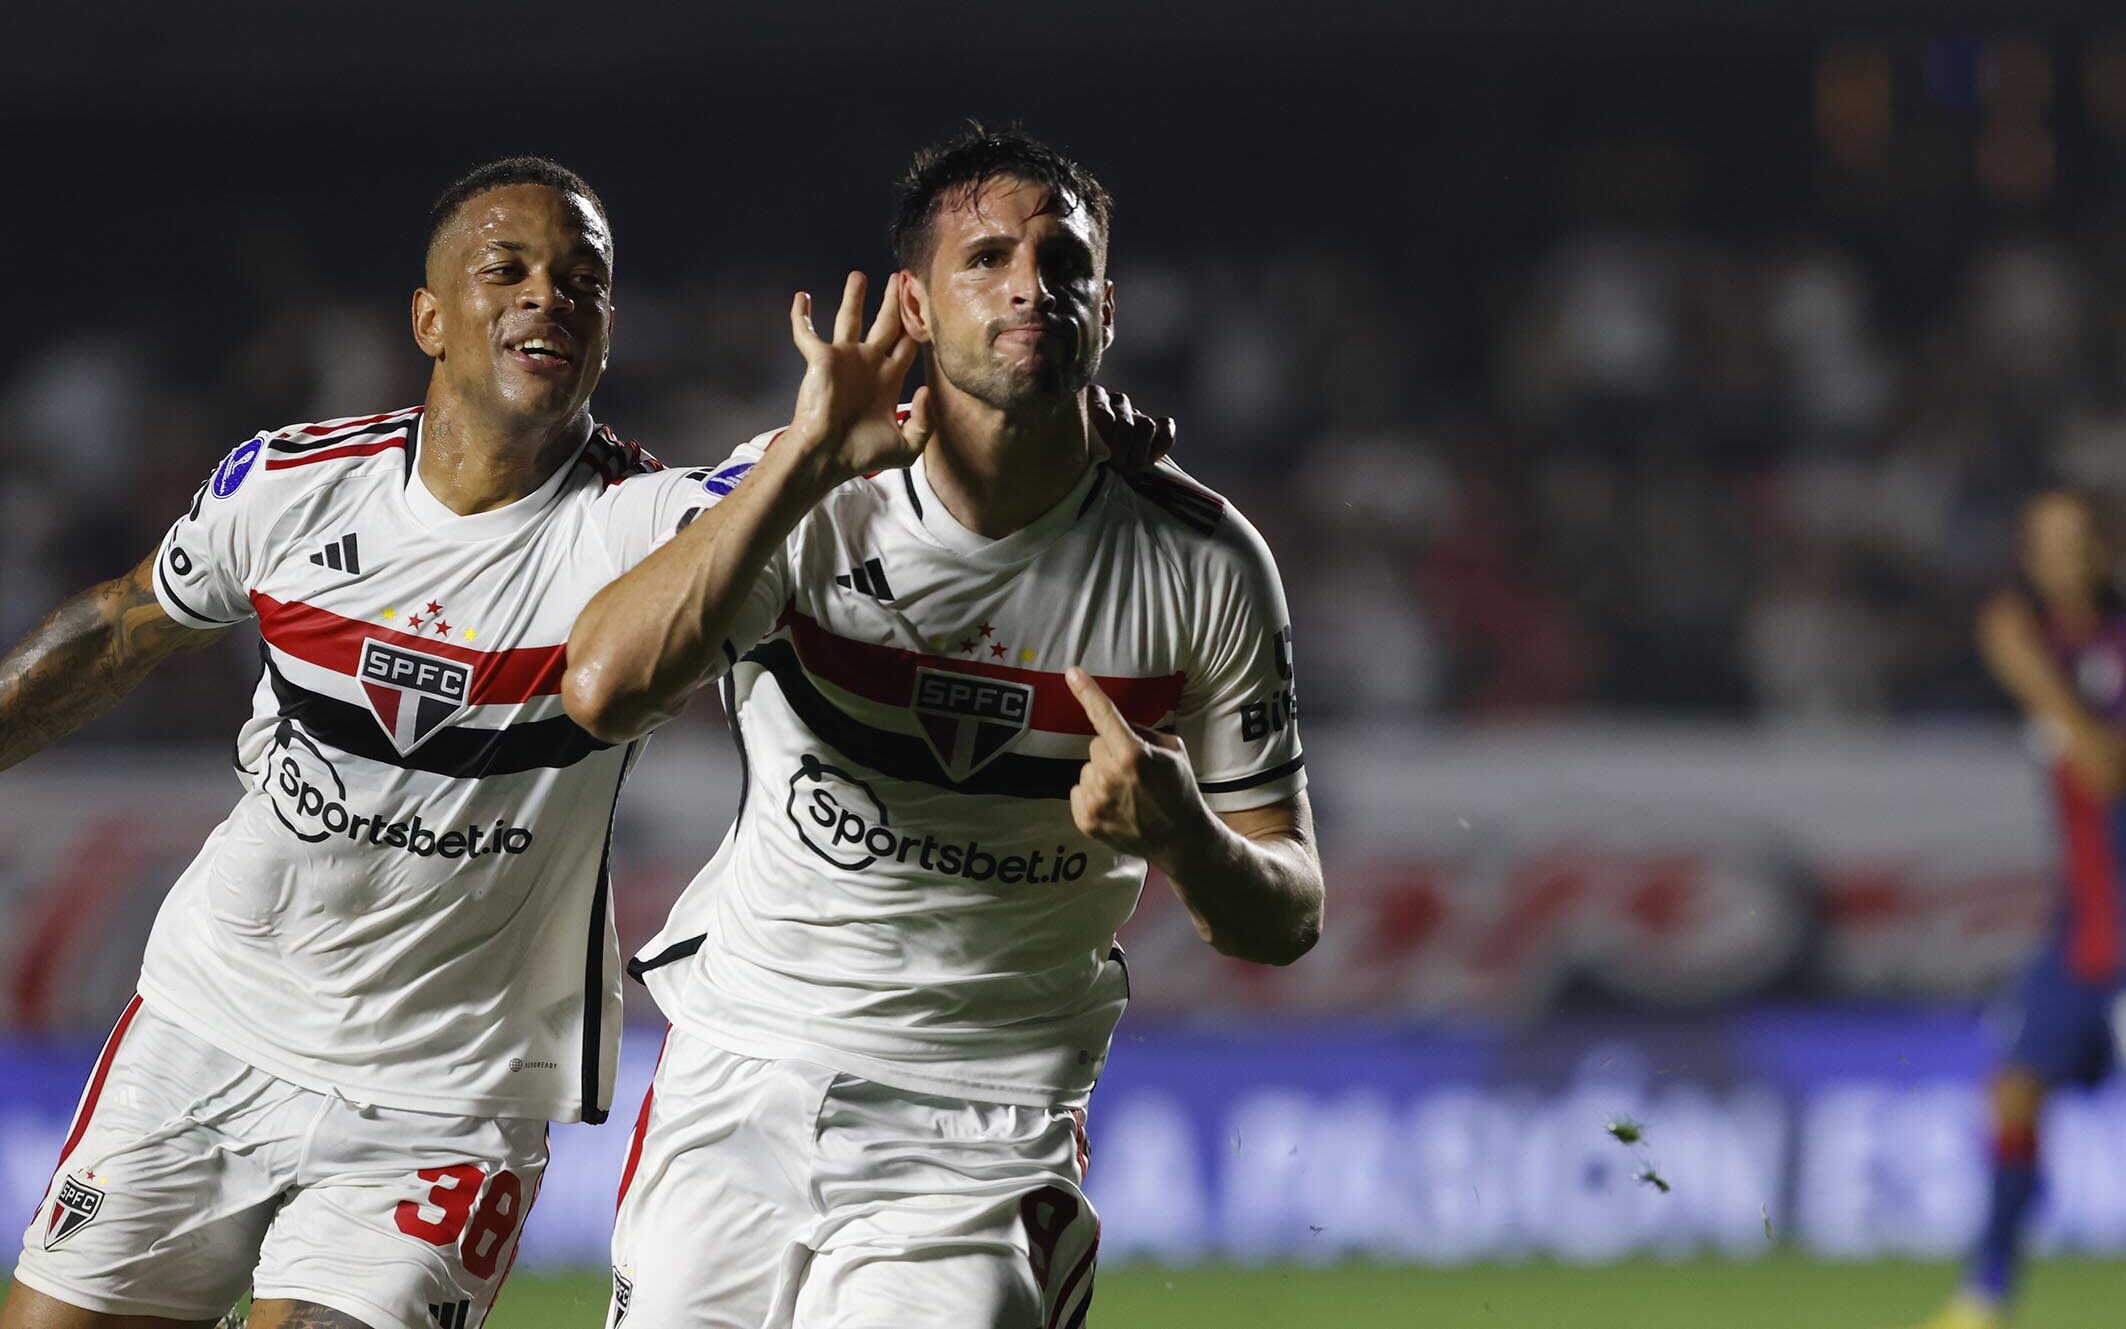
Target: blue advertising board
<point>1850,1132</point>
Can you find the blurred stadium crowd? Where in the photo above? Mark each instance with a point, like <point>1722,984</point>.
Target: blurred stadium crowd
<point>1668,453</point>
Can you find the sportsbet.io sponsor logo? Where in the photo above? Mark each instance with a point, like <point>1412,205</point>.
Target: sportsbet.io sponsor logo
<point>839,818</point>
<point>311,801</point>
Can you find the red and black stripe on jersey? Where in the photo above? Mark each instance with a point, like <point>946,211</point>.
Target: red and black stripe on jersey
<point>357,437</point>
<point>1188,502</point>
<point>616,459</point>
<point>501,677</point>
<point>802,649</point>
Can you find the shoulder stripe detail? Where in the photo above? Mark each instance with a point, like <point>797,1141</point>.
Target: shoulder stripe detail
<point>615,459</point>
<point>162,579</point>
<point>345,424</point>
<point>330,641</point>
<point>310,438</point>
<point>307,445</point>
<point>1234,786</point>
<point>335,454</point>
<point>1191,504</point>
<point>887,674</point>
<point>460,753</point>
<point>905,756</point>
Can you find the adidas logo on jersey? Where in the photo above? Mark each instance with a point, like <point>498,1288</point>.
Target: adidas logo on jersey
<point>450,1314</point>
<point>341,555</point>
<point>866,578</point>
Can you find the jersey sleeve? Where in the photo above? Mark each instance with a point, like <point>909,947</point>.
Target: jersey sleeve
<point>1239,713</point>
<point>640,514</point>
<point>205,568</point>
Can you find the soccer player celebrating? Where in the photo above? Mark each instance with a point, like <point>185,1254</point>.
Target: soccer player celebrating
<point>2059,649</point>
<point>979,682</point>
<point>393,963</point>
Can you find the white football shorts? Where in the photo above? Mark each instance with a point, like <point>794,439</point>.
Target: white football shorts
<point>189,1176</point>
<point>783,1195</point>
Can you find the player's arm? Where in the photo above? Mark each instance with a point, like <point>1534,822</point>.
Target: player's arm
<point>647,641</point>
<point>2012,646</point>
<point>80,660</point>
<point>1251,880</point>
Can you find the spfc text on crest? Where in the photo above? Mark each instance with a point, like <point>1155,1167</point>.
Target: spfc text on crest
<point>412,693</point>
<point>967,718</point>
<point>76,1203</point>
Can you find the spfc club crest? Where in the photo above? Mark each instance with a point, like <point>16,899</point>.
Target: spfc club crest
<point>76,1203</point>
<point>412,693</point>
<point>968,719</point>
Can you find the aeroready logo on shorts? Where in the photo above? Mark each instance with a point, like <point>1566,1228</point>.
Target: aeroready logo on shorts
<point>841,818</point>
<point>229,476</point>
<point>412,693</point>
<point>72,1209</point>
<point>310,799</point>
<point>968,719</point>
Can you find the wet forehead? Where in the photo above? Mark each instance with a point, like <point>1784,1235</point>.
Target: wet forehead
<point>1012,206</point>
<point>517,213</point>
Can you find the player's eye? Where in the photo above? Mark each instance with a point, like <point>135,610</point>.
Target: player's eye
<point>989,258</point>
<point>502,272</point>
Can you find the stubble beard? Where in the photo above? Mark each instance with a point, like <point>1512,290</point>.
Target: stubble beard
<point>1016,388</point>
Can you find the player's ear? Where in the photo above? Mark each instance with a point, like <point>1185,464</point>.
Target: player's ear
<point>1107,316</point>
<point>428,323</point>
<point>915,308</point>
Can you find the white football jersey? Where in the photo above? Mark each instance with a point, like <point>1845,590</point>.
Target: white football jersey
<point>905,896</point>
<point>408,905</point>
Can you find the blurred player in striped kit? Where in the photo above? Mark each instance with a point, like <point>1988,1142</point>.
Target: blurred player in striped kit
<point>2057,645</point>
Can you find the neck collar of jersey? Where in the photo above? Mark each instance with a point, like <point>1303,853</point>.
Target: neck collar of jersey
<point>941,526</point>
<point>436,517</point>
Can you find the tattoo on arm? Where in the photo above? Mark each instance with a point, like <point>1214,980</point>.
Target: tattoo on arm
<point>310,1315</point>
<point>82,658</point>
<point>278,1314</point>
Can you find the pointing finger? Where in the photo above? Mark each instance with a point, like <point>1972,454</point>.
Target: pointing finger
<point>849,319</point>
<point>1108,722</point>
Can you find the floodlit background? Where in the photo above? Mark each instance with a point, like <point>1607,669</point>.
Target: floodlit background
<point>1636,396</point>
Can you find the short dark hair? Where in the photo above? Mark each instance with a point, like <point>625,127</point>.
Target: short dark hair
<point>963,165</point>
<point>500,174</point>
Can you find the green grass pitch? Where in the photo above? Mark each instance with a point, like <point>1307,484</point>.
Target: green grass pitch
<point>1783,1292</point>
